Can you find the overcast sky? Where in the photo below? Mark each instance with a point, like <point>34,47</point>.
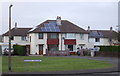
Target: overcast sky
<point>97,15</point>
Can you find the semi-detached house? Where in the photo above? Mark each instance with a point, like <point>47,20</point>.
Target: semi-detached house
<point>19,36</point>
<point>103,37</point>
<point>57,35</point>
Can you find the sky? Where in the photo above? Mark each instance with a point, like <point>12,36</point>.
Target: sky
<point>97,15</point>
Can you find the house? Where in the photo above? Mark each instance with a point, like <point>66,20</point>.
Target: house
<point>0,38</point>
<point>18,36</point>
<point>103,37</point>
<point>57,35</point>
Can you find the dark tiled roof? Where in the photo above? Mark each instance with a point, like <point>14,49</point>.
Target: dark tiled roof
<point>66,27</point>
<point>18,32</point>
<point>102,34</point>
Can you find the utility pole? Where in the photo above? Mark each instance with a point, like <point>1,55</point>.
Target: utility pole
<point>9,57</point>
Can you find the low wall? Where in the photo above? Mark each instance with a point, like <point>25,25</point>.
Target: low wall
<point>108,54</point>
<point>58,53</point>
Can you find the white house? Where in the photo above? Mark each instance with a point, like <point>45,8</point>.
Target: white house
<point>18,36</point>
<point>103,37</point>
<point>56,35</point>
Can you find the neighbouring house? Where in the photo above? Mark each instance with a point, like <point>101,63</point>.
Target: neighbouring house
<point>0,44</point>
<point>57,35</point>
<point>103,37</point>
<point>1,38</point>
<point>19,36</point>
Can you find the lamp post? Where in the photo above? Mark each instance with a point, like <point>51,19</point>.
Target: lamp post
<point>9,57</point>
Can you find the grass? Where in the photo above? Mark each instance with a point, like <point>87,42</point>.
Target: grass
<point>51,64</point>
<point>0,63</point>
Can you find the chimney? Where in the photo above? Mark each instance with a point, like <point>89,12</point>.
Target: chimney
<point>88,28</point>
<point>58,20</point>
<point>110,28</point>
<point>15,25</point>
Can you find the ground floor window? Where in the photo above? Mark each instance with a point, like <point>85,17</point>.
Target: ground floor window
<point>81,46</point>
<point>53,47</point>
<point>70,47</point>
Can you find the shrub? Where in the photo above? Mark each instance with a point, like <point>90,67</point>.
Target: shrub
<point>19,50</point>
<point>110,48</point>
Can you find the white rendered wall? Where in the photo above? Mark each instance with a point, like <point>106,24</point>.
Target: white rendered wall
<point>17,39</point>
<point>103,41</point>
<point>82,41</point>
<point>35,42</point>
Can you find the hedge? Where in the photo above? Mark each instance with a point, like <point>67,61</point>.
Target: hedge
<point>110,48</point>
<point>19,50</point>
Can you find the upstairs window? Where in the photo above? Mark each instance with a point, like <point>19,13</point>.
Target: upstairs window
<point>30,38</point>
<point>12,37</point>
<point>40,35</point>
<point>23,38</point>
<point>97,39</point>
<point>82,36</point>
<point>70,36</point>
<point>53,36</point>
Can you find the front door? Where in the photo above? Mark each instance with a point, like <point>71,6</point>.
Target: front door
<point>40,49</point>
<point>27,50</point>
<point>70,47</point>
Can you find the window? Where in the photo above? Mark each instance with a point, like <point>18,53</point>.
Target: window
<point>70,47</point>
<point>53,47</point>
<point>97,39</point>
<point>30,38</point>
<point>12,37</point>
<point>82,36</point>
<point>40,35</point>
<point>110,40</point>
<point>52,35</point>
<point>70,36</point>
<point>23,38</point>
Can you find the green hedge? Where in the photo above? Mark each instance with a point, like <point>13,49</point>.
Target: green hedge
<point>19,50</point>
<point>110,48</point>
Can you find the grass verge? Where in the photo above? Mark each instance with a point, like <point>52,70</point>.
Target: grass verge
<point>51,64</point>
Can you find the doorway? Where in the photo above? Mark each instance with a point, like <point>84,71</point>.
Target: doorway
<point>70,47</point>
<point>40,49</point>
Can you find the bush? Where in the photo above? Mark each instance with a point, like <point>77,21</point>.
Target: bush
<point>19,50</point>
<point>110,48</point>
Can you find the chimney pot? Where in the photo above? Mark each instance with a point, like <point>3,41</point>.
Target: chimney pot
<point>111,28</point>
<point>88,28</point>
<point>15,25</point>
<point>58,20</point>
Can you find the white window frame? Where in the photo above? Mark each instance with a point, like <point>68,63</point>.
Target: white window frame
<point>23,38</point>
<point>70,36</point>
<point>81,36</point>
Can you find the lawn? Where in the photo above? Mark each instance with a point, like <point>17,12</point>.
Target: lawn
<point>0,63</point>
<point>51,64</point>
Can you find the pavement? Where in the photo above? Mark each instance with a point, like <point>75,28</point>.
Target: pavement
<point>113,71</point>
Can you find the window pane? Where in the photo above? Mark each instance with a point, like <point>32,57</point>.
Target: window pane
<point>97,39</point>
<point>40,35</point>
<point>12,37</point>
<point>53,47</point>
<point>53,36</point>
<point>70,36</point>
<point>23,38</point>
<point>81,36</point>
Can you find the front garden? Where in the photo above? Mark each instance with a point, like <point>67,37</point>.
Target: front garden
<point>51,64</point>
